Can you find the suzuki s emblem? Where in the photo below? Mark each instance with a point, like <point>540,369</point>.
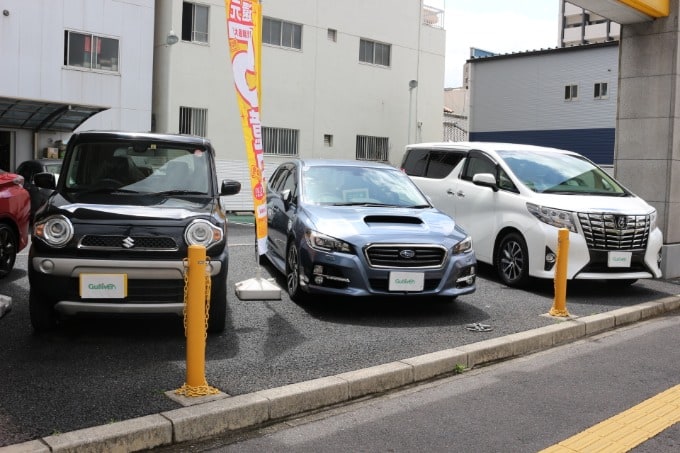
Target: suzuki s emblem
<point>128,242</point>
<point>408,254</point>
<point>621,222</point>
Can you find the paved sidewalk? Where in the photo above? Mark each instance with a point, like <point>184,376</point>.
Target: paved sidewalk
<point>210,417</point>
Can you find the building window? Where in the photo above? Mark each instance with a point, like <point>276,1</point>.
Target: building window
<point>332,35</point>
<point>193,121</point>
<point>279,141</point>
<point>281,33</point>
<point>194,22</point>
<point>570,92</point>
<point>601,91</point>
<point>85,50</point>
<point>374,52</point>
<point>372,148</point>
<point>327,140</point>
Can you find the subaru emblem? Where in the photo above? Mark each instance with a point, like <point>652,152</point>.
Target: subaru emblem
<point>128,242</point>
<point>621,222</point>
<point>408,254</point>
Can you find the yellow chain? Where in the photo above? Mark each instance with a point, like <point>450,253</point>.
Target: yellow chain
<point>208,282</point>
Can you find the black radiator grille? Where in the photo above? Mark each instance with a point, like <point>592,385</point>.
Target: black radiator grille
<point>615,232</point>
<point>128,242</point>
<point>406,256</point>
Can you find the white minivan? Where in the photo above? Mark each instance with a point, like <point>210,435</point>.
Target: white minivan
<point>513,199</point>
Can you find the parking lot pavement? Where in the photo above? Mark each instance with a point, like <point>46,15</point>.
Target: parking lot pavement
<point>219,416</point>
<point>282,359</point>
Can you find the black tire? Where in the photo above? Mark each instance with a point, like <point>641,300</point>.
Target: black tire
<point>41,309</point>
<point>9,246</point>
<point>217,315</point>
<point>512,260</point>
<point>293,275</point>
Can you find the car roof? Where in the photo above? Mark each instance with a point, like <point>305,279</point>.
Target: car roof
<point>490,147</point>
<point>341,162</point>
<point>145,136</point>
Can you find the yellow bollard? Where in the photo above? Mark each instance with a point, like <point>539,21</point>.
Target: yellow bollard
<point>195,324</point>
<point>559,307</point>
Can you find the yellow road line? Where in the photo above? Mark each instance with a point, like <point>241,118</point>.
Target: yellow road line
<point>630,428</point>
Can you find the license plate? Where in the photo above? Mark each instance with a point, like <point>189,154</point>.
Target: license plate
<point>407,281</point>
<point>103,286</point>
<point>619,259</point>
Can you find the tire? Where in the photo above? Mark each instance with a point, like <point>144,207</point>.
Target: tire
<point>9,245</point>
<point>217,314</point>
<point>293,274</point>
<point>512,261</point>
<point>43,316</point>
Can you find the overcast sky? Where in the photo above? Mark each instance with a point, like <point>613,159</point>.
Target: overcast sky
<point>498,26</point>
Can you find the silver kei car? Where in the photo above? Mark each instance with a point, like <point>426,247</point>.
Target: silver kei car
<point>357,228</point>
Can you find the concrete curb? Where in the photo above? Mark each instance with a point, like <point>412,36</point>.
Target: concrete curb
<point>250,410</point>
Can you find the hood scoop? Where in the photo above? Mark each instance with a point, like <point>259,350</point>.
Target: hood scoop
<point>392,219</point>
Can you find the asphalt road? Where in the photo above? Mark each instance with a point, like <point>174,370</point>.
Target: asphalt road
<point>522,405</point>
<point>98,371</point>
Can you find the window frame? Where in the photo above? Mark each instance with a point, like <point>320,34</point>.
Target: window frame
<point>190,32</point>
<point>90,41</point>
<point>363,150</point>
<point>193,121</point>
<point>571,92</point>
<point>598,90</point>
<point>286,141</point>
<point>290,31</point>
<point>367,46</point>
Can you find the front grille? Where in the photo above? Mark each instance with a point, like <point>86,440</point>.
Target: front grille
<point>161,243</point>
<point>615,232</point>
<point>405,256</point>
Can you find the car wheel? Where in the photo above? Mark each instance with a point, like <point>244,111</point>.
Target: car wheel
<point>8,249</point>
<point>293,274</point>
<point>41,309</point>
<point>512,260</point>
<point>217,314</point>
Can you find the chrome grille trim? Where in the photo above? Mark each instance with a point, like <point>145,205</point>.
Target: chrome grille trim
<point>602,233</point>
<point>388,256</point>
<point>141,243</point>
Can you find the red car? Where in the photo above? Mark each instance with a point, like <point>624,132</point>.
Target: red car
<point>15,214</point>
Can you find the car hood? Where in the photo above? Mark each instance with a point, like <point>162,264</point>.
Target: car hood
<point>348,221</point>
<point>153,207</point>
<point>594,204</point>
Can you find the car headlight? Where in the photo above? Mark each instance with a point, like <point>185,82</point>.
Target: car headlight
<point>652,220</point>
<point>555,217</point>
<point>463,246</point>
<point>55,231</point>
<point>325,243</point>
<point>202,232</point>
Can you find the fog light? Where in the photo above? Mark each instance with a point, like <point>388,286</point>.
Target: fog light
<point>318,269</point>
<point>470,280</point>
<point>550,257</point>
<point>318,280</point>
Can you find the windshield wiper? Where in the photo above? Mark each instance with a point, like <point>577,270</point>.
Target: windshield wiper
<point>105,190</point>
<point>179,192</point>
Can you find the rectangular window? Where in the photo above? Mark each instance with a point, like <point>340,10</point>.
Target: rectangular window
<point>85,50</point>
<point>600,90</point>
<point>193,121</point>
<point>374,52</point>
<point>194,22</point>
<point>279,141</point>
<point>327,140</point>
<point>372,148</point>
<point>281,33</point>
<point>332,35</point>
<point>570,92</point>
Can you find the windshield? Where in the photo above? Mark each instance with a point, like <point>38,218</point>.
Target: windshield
<point>560,173</point>
<point>349,185</point>
<point>137,168</point>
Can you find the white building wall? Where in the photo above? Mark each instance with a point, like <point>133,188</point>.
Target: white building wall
<point>32,47</point>
<point>318,90</point>
<point>531,95</point>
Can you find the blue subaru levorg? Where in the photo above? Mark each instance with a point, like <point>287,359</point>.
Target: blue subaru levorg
<point>358,228</point>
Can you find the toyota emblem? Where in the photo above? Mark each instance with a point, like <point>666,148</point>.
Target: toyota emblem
<point>621,222</point>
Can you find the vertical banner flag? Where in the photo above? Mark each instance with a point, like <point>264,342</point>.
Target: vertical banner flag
<point>244,21</point>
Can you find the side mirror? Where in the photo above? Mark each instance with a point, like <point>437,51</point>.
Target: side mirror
<point>230,187</point>
<point>485,180</point>
<point>45,181</point>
